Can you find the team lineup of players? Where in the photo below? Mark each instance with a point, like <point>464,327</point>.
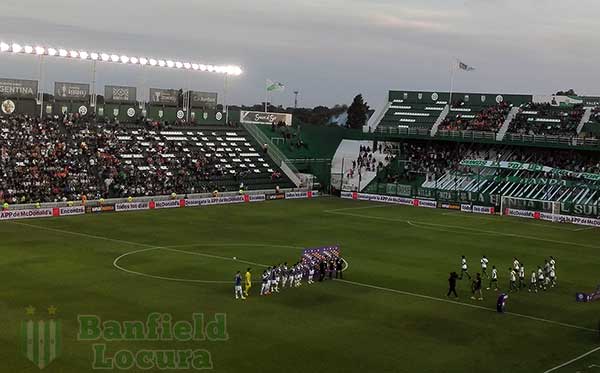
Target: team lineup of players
<point>309,268</point>
<point>539,279</point>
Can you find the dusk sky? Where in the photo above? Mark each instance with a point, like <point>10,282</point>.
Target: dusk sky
<point>328,50</point>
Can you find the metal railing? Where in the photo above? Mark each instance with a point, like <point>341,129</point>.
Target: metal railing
<point>468,135</point>
<point>403,131</point>
<point>111,201</point>
<point>280,159</point>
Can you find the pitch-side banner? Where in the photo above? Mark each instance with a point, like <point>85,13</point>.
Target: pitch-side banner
<point>18,88</point>
<point>120,93</point>
<point>214,201</point>
<point>26,214</point>
<point>133,206</point>
<point>259,117</point>
<point>73,210</point>
<point>71,91</point>
<point>164,96</point>
<point>203,99</point>
<point>299,195</point>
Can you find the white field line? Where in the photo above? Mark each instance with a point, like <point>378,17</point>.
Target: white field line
<point>423,296</point>
<point>442,229</point>
<point>361,208</point>
<point>498,219</point>
<point>573,360</point>
<point>583,229</point>
<point>178,279</point>
<point>467,229</point>
<point>466,305</point>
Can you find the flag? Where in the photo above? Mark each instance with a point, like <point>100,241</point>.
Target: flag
<point>464,66</point>
<point>274,86</point>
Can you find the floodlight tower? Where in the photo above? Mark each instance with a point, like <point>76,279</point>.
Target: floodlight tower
<point>95,57</point>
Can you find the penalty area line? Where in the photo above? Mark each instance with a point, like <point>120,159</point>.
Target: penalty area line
<point>572,360</point>
<point>428,297</point>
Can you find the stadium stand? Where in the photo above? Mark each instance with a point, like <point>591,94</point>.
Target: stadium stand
<point>466,117</point>
<point>49,161</point>
<point>412,110</point>
<point>546,119</point>
<point>436,165</point>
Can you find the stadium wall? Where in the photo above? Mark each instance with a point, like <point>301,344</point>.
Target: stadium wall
<point>123,206</point>
<point>472,208</point>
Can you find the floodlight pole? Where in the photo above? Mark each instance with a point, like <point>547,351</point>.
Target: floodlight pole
<point>93,93</point>
<point>225,99</point>
<point>41,91</point>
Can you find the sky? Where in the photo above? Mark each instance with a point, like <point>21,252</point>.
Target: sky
<point>329,51</point>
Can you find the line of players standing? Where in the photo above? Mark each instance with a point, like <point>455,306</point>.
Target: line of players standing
<point>540,279</point>
<point>293,275</point>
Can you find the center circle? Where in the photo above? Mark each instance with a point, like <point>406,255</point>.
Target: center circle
<point>179,249</point>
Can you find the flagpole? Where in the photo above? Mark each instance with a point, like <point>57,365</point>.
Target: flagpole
<point>452,69</point>
<point>266,94</point>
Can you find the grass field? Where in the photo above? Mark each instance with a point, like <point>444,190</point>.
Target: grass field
<point>389,315</point>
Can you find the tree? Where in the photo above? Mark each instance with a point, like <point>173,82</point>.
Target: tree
<point>357,113</point>
<point>569,92</point>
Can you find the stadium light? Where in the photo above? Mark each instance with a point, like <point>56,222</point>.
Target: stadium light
<point>40,50</point>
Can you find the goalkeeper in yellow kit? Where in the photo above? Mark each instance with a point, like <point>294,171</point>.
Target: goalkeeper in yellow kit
<point>247,282</point>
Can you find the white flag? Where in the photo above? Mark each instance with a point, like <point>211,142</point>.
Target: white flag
<point>464,66</point>
<point>274,86</point>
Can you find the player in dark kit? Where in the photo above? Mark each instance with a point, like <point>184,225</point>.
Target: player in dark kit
<point>338,268</point>
<point>452,284</point>
<point>476,287</point>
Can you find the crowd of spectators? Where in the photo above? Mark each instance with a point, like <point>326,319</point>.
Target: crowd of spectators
<point>290,136</point>
<point>367,161</point>
<point>66,159</point>
<point>547,119</point>
<point>431,160</point>
<point>490,118</point>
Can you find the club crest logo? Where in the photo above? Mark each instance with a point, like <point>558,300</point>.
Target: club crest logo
<point>41,340</point>
<point>8,106</point>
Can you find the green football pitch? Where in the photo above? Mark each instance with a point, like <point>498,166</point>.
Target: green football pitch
<point>389,314</point>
